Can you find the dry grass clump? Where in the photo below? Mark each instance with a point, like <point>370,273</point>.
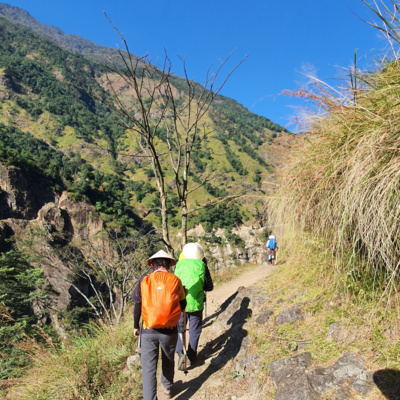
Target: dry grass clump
<point>344,180</point>
<point>87,367</point>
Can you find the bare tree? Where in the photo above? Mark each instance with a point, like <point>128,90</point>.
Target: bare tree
<point>110,263</point>
<point>168,122</point>
<point>112,259</point>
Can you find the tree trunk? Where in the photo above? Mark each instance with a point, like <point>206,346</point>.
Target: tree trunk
<point>164,222</point>
<point>184,217</point>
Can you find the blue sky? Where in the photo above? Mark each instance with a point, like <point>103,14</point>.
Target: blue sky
<point>286,40</point>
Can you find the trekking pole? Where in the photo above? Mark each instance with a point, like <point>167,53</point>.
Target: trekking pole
<point>184,341</point>
<point>140,340</point>
<point>205,305</point>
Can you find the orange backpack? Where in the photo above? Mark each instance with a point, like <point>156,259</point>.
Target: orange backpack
<point>160,300</point>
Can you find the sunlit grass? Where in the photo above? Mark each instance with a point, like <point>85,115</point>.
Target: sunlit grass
<point>370,325</point>
<point>88,366</point>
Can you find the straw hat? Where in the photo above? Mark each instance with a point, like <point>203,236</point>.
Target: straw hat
<point>161,254</point>
<point>193,251</point>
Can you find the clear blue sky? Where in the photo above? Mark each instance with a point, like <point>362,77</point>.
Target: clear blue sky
<point>285,39</point>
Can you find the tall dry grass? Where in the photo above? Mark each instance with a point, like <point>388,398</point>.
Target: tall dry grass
<point>343,182</point>
<point>87,367</point>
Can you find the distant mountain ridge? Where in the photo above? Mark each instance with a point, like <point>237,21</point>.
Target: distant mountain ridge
<point>71,42</point>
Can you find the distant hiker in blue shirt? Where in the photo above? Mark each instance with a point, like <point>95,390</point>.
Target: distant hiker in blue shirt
<point>271,248</point>
<point>196,278</point>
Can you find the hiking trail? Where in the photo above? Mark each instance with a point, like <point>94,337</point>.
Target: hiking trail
<point>204,380</point>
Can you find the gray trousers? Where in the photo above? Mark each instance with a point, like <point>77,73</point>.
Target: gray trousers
<point>150,344</point>
<point>195,320</point>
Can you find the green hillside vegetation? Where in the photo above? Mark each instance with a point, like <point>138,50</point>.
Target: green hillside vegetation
<point>51,167</point>
<point>19,278</point>
<point>45,94</point>
<point>72,42</point>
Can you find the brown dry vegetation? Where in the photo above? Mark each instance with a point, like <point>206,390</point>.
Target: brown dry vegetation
<point>342,183</point>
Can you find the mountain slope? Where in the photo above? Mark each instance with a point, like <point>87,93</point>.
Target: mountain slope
<point>44,93</point>
<point>103,54</point>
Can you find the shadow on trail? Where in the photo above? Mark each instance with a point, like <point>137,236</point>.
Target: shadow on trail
<point>223,348</point>
<point>388,382</point>
<point>208,320</point>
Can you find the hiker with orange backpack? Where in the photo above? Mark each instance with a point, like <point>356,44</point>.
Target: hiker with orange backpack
<point>159,299</point>
<point>193,271</point>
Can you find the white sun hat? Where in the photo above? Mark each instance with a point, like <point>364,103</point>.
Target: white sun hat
<point>193,251</point>
<point>161,254</point>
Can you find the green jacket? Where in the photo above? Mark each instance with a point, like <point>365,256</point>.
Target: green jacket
<point>191,273</point>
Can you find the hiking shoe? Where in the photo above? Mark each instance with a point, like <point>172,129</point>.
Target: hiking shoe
<point>167,393</point>
<point>181,362</point>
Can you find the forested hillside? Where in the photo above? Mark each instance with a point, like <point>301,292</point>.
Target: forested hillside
<point>44,92</point>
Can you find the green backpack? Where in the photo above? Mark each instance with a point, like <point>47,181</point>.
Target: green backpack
<point>191,272</point>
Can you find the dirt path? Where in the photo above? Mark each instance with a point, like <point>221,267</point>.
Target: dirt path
<point>192,385</point>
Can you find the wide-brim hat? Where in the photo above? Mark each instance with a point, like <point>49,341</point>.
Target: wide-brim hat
<point>193,251</point>
<point>271,236</point>
<point>161,254</point>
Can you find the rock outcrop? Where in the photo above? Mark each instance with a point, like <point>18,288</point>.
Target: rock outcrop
<point>293,314</point>
<point>296,377</point>
<point>21,196</point>
<point>26,205</point>
<point>227,256</point>
<point>70,221</point>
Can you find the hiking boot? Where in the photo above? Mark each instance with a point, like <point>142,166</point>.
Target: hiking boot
<point>181,361</point>
<point>167,393</point>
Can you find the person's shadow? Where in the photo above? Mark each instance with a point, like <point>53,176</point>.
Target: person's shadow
<point>224,348</point>
<point>209,319</point>
<point>388,382</point>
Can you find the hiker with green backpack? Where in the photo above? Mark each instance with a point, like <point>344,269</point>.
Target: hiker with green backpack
<point>159,299</point>
<point>193,271</point>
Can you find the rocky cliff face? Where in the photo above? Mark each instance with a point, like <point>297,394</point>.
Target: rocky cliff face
<point>227,255</point>
<point>21,196</point>
<point>72,219</point>
<point>28,207</point>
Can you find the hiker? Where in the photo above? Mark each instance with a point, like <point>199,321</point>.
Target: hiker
<point>193,271</point>
<point>159,299</point>
<point>271,248</point>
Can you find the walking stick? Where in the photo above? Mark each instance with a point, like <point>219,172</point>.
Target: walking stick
<point>184,341</point>
<point>205,305</point>
<point>140,340</point>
